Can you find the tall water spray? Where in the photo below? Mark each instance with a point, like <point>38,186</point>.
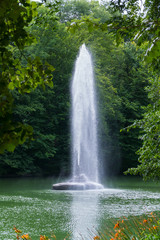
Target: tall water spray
<point>84,127</point>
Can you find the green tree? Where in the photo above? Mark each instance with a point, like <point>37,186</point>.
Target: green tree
<point>12,74</point>
<point>121,77</point>
<point>46,111</point>
<point>143,25</point>
<point>34,109</point>
<point>56,45</point>
<point>75,10</point>
<point>139,22</point>
<point>149,153</point>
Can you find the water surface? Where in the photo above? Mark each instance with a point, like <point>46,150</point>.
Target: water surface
<point>33,207</point>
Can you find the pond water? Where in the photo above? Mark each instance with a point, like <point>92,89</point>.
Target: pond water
<point>33,207</point>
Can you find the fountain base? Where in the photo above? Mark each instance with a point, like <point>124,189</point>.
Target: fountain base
<point>79,182</point>
<point>77,186</point>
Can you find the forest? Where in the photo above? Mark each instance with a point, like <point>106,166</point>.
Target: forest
<point>38,52</point>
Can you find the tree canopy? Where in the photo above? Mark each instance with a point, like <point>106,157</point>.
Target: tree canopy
<point>38,49</point>
<point>15,16</point>
<point>142,23</point>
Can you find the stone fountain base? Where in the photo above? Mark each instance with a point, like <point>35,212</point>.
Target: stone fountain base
<point>76,186</point>
<point>77,183</point>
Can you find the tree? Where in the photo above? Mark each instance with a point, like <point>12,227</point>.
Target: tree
<point>143,26</point>
<point>46,111</point>
<point>121,77</point>
<point>14,36</point>
<point>138,22</point>
<point>149,153</point>
<point>76,10</point>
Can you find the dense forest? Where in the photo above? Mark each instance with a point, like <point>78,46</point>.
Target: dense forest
<point>123,82</point>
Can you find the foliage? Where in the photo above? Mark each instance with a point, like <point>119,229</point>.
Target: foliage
<point>29,157</point>
<point>12,74</point>
<point>120,76</point>
<point>20,235</point>
<point>149,153</point>
<point>129,75</point>
<point>79,10</point>
<point>135,228</point>
<point>53,45</point>
<point>143,25</point>
<point>47,111</point>
<point>138,22</point>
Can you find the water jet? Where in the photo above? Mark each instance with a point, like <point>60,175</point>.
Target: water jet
<point>85,172</point>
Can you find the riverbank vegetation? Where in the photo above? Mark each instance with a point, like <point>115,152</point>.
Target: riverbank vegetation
<point>128,85</point>
<point>134,228</point>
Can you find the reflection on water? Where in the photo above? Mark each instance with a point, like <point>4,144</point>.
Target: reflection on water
<point>84,213</point>
<point>33,207</point>
<point>91,210</point>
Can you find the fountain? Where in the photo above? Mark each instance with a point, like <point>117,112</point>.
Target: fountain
<point>84,129</point>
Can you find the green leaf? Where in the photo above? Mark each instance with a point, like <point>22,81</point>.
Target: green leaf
<point>11,86</point>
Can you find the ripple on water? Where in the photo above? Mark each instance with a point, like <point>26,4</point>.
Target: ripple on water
<point>41,212</point>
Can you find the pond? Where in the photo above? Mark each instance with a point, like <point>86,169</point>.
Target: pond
<point>33,207</point>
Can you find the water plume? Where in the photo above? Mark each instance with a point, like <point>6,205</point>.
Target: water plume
<point>83,126</point>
